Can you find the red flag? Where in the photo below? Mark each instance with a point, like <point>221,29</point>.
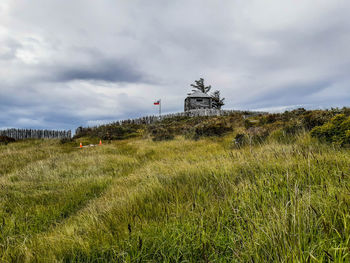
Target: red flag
<point>157,102</point>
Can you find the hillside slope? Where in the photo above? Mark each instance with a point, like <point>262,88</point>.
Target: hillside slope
<point>200,200</point>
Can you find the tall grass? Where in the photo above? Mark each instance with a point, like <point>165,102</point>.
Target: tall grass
<point>175,201</point>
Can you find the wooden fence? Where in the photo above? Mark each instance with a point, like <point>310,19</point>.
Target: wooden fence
<point>191,113</point>
<point>20,134</point>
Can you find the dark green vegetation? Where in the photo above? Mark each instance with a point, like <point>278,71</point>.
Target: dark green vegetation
<point>280,195</point>
<point>257,128</point>
<point>336,131</point>
<point>6,140</point>
<point>113,131</point>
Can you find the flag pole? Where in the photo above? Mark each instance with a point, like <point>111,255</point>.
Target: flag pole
<point>160,108</point>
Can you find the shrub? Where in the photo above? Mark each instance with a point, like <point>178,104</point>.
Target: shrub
<point>113,131</point>
<point>314,118</point>
<point>118,132</point>
<point>347,136</point>
<point>337,131</point>
<point>5,140</point>
<point>269,118</point>
<point>66,140</point>
<point>292,128</point>
<point>211,128</point>
<point>248,123</point>
<point>257,134</point>
<point>161,132</point>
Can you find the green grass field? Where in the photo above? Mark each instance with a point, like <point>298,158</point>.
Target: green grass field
<point>176,201</point>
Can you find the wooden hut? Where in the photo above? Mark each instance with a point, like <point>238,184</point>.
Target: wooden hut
<point>198,100</point>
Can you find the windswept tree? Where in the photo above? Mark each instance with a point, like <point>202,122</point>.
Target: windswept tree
<point>200,86</point>
<point>217,101</point>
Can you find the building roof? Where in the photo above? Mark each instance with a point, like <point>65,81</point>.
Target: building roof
<point>198,94</point>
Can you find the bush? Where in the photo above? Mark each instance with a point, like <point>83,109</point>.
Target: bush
<point>66,140</point>
<point>248,123</point>
<point>337,131</point>
<point>5,140</point>
<point>292,128</point>
<point>314,118</point>
<point>161,133</point>
<point>211,128</point>
<point>113,131</point>
<point>269,118</point>
<point>118,132</point>
<point>257,134</point>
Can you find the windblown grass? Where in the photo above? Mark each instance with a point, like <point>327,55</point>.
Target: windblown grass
<point>175,201</point>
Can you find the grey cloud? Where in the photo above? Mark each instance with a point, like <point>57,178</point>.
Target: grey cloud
<point>112,71</point>
<point>72,64</point>
<point>95,65</point>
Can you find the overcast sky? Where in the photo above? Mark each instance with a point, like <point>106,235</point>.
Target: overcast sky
<point>81,62</point>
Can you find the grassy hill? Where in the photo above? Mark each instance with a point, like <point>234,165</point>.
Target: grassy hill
<point>217,190</point>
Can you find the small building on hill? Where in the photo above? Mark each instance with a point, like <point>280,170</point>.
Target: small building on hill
<point>198,100</point>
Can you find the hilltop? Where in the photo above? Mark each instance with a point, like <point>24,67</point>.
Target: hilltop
<point>236,188</point>
<point>252,126</point>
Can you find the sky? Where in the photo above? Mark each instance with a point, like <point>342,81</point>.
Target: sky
<point>65,64</point>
